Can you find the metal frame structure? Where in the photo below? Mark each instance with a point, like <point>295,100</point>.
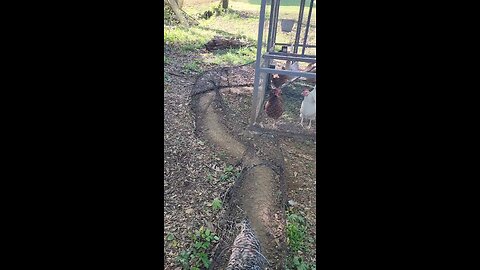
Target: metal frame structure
<point>263,67</point>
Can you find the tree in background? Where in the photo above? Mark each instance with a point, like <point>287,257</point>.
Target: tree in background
<point>176,7</point>
<point>180,3</point>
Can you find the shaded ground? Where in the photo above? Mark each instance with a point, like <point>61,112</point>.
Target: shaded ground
<point>196,160</point>
<point>192,169</point>
<point>193,165</point>
<point>257,194</point>
<point>291,149</point>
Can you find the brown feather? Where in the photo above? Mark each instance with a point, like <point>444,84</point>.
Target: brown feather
<point>278,79</point>
<point>274,106</point>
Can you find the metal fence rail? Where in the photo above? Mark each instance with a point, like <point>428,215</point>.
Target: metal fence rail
<point>264,59</point>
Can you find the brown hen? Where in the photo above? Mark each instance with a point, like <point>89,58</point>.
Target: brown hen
<point>278,80</point>
<point>274,105</point>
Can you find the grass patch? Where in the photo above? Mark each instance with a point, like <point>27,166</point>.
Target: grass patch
<point>234,56</point>
<point>240,20</point>
<point>297,240</point>
<point>216,204</point>
<point>196,257</point>
<point>229,172</point>
<point>296,232</point>
<point>193,66</point>
<point>185,38</point>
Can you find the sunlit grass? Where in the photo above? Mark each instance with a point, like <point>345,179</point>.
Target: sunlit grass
<point>240,21</point>
<point>186,38</point>
<point>235,56</point>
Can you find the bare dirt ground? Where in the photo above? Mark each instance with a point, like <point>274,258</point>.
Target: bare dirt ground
<point>291,147</point>
<point>191,169</point>
<point>257,194</point>
<point>195,158</point>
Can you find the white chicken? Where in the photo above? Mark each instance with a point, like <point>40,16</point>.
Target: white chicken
<point>289,65</point>
<point>278,80</point>
<point>309,105</point>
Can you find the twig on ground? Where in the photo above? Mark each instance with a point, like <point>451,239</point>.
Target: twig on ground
<point>176,74</point>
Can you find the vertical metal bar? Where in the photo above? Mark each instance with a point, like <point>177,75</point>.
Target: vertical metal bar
<point>255,102</point>
<point>277,8</point>
<point>269,78</point>
<point>270,41</point>
<point>307,28</point>
<point>299,25</point>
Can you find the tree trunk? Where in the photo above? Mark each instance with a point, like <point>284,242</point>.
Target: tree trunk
<point>177,11</point>
<point>224,4</point>
<point>180,3</point>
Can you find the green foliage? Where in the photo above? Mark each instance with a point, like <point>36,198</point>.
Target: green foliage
<point>196,256</point>
<point>193,66</point>
<point>217,10</point>
<point>187,39</point>
<point>296,232</point>
<point>184,258</point>
<point>216,204</point>
<point>297,242</point>
<point>228,173</point>
<point>238,56</point>
<point>228,169</point>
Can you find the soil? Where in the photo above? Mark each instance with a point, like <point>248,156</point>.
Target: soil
<point>208,130</point>
<point>257,197</point>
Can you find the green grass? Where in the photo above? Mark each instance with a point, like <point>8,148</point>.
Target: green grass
<point>297,240</point>
<point>195,37</point>
<point>289,3</point>
<point>296,232</point>
<point>186,38</point>
<point>229,172</point>
<point>196,257</point>
<point>216,204</point>
<point>235,56</point>
<point>240,20</point>
<point>193,66</point>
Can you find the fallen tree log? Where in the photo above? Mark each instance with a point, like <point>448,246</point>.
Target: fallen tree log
<point>221,43</point>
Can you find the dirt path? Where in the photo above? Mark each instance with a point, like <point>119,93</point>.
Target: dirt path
<point>205,132</point>
<point>257,195</point>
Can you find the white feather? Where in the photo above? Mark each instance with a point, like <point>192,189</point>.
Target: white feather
<point>308,110</point>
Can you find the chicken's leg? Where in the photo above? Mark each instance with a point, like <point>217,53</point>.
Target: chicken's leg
<point>301,122</point>
<point>310,124</point>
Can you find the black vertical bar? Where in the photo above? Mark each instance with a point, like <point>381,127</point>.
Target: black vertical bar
<point>256,89</point>
<point>307,28</point>
<point>269,78</point>
<point>299,25</point>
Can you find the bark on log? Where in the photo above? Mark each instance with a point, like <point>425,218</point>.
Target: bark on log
<point>221,43</point>
<point>180,3</point>
<point>176,10</point>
